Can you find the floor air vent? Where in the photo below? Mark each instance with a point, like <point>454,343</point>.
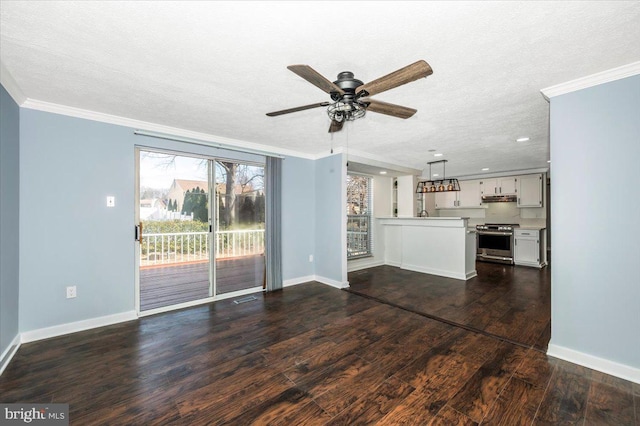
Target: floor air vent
<point>245,300</point>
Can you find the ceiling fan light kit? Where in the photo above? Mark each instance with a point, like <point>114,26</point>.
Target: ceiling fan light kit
<point>350,96</point>
<point>440,185</point>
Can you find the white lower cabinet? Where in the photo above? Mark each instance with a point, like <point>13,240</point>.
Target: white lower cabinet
<point>530,248</point>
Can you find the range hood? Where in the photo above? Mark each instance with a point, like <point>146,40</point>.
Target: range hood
<point>499,198</point>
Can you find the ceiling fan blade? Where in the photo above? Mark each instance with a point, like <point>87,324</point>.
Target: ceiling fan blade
<point>397,78</point>
<point>336,126</point>
<point>315,78</point>
<point>300,108</point>
<point>388,109</point>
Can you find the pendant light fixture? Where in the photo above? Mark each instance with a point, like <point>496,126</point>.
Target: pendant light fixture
<point>439,185</point>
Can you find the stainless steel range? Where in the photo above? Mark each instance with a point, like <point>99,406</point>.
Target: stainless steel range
<point>495,242</point>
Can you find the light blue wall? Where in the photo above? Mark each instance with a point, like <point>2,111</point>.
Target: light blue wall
<point>68,236</point>
<point>9,218</point>
<point>298,217</point>
<point>595,206</point>
<point>330,215</point>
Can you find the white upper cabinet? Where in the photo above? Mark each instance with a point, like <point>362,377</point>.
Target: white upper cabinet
<point>469,195</point>
<point>508,186</point>
<point>530,190</point>
<point>499,186</point>
<point>446,200</point>
<point>527,188</point>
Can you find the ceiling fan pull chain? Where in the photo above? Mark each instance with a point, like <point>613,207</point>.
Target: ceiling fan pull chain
<point>331,142</point>
<point>347,150</point>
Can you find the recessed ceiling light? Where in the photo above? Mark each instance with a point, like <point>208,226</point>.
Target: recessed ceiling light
<point>436,175</point>
<point>437,155</point>
<point>383,172</point>
<point>485,169</point>
<point>522,139</point>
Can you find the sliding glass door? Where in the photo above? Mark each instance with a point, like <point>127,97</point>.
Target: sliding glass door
<point>239,226</point>
<point>200,232</point>
<point>174,231</point>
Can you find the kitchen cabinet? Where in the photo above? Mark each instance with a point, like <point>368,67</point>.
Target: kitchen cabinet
<point>530,190</point>
<point>499,186</point>
<point>529,247</point>
<point>446,200</point>
<point>468,196</point>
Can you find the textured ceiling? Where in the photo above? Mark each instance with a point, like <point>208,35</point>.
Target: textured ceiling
<point>218,67</point>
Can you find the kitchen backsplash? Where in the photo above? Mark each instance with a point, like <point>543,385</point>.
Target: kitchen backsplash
<point>499,213</point>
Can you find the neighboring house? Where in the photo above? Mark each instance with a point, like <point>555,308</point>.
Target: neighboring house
<point>180,186</point>
<point>153,209</point>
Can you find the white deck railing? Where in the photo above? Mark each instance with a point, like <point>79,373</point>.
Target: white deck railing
<point>358,237</point>
<point>177,247</point>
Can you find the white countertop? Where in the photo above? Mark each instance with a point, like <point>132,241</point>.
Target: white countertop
<point>424,222</point>
<point>531,227</point>
<point>423,218</point>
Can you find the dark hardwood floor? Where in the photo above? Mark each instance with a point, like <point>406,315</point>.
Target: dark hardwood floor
<point>510,302</point>
<point>309,354</point>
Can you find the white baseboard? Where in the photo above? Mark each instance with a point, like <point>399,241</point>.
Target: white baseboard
<point>358,265</point>
<point>73,327</point>
<point>332,283</point>
<point>298,280</point>
<point>612,368</point>
<point>9,353</point>
<point>308,278</point>
<point>440,272</point>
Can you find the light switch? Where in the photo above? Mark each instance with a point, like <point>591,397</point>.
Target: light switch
<point>111,201</point>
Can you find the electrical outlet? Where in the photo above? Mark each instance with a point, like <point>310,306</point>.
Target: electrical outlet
<point>310,258</point>
<point>71,292</point>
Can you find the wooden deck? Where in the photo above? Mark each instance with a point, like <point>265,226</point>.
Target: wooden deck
<point>165,285</point>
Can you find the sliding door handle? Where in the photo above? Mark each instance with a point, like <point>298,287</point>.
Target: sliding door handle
<point>138,232</point>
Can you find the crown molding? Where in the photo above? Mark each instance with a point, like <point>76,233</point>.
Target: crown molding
<point>158,128</point>
<point>356,156</point>
<point>9,83</point>
<point>592,80</point>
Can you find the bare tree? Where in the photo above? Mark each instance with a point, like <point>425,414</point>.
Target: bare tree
<point>228,175</point>
<point>357,194</point>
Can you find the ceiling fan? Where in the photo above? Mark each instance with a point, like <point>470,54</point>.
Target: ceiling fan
<point>350,96</point>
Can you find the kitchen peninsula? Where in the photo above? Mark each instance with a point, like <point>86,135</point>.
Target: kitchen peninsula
<point>443,246</point>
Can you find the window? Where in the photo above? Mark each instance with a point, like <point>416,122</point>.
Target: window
<point>359,209</point>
